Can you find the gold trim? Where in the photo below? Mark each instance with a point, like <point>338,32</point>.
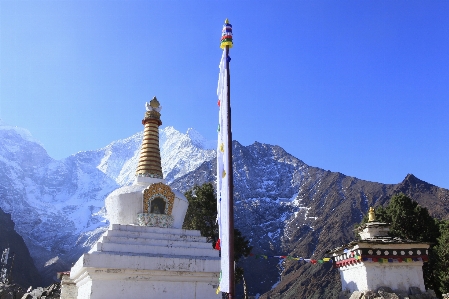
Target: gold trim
<point>150,128</point>
<point>150,131</point>
<point>158,190</point>
<point>149,147</point>
<point>150,158</point>
<point>147,165</point>
<point>150,155</point>
<point>371,215</point>
<point>149,161</point>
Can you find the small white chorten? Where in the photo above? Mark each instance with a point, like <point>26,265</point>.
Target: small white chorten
<point>146,253</point>
<point>378,260</point>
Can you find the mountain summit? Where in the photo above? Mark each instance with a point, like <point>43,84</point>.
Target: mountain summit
<point>57,205</point>
<point>282,205</point>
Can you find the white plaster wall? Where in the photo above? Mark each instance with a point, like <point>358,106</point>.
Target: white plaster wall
<point>123,205</point>
<point>180,206</point>
<point>84,290</point>
<point>148,262</point>
<point>123,261</point>
<point>400,276</point>
<point>371,276</point>
<point>372,231</point>
<point>120,289</point>
<point>97,283</point>
<point>353,278</point>
<point>146,181</point>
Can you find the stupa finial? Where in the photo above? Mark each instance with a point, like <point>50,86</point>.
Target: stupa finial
<point>155,103</point>
<point>371,215</point>
<point>150,156</point>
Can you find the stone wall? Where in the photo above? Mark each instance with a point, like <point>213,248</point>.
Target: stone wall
<point>68,287</point>
<point>14,291</point>
<point>388,293</point>
<point>51,292</point>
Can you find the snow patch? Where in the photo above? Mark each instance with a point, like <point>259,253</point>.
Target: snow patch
<point>51,261</point>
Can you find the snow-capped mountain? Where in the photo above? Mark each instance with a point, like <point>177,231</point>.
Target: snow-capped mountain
<point>282,205</point>
<point>51,202</point>
<point>180,154</point>
<point>57,205</point>
<point>285,207</point>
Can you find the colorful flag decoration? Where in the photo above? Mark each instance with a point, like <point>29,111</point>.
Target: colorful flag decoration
<point>222,172</point>
<point>226,35</point>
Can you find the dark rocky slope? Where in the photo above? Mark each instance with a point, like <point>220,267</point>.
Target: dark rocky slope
<point>21,267</point>
<point>286,207</point>
<point>337,231</point>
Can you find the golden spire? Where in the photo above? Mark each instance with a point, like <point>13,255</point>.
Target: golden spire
<point>226,21</point>
<point>371,215</point>
<point>150,155</point>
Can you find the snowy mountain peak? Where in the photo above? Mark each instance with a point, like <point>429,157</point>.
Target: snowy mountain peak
<point>198,140</point>
<point>58,204</point>
<point>180,154</point>
<point>282,205</point>
<point>24,133</point>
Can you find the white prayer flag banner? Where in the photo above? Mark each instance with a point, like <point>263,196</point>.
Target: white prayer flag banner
<point>222,174</point>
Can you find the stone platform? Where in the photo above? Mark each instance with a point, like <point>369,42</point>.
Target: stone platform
<point>148,262</point>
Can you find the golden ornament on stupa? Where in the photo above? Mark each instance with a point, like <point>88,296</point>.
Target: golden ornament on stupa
<point>150,155</point>
<point>371,215</point>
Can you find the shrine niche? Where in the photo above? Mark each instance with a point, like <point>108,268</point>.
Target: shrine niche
<point>158,200</point>
<point>157,206</point>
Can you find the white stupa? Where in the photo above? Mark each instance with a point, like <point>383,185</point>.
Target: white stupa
<point>146,253</point>
<point>377,260</point>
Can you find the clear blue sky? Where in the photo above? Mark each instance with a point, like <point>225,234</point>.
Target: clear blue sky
<point>358,87</point>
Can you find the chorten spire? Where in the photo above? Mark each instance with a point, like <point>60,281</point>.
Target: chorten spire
<point>150,156</point>
<point>371,215</point>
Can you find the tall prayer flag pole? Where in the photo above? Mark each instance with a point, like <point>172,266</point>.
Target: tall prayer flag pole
<point>225,201</point>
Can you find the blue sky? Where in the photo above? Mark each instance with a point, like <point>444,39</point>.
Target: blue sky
<point>358,87</point>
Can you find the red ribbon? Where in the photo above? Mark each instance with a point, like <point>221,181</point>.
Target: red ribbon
<point>217,245</point>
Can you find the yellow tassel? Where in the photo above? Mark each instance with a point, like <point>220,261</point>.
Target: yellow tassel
<point>224,174</point>
<point>218,290</point>
<point>224,44</point>
<point>222,147</point>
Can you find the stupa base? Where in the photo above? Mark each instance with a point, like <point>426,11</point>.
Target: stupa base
<point>145,262</point>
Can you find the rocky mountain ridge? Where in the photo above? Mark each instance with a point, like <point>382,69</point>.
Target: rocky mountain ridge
<point>282,205</point>
<point>286,207</point>
<point>58,205</point>
<point>19,265</point>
